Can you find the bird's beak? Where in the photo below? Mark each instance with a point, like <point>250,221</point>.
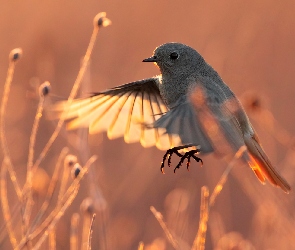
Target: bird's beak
<point>150,59</point>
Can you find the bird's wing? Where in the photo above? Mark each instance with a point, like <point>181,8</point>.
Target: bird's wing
<point>182,120</point>
<point>205,117</point>
<point>126,110</point>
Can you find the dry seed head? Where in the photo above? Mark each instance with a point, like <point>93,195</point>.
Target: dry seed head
<point>15,54</point>
<point>87,206</point>
<point>76,170</point>
<point>100,20</point>
<point>70,160</point>
<point>253,102</point>
<point>44,89</point>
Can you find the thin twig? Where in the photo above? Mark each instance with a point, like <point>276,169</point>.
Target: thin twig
<point>199,242</point>
<point>2,130</point>
<point>73,188</point>
<point>5,206</point>
<point>52,239</point>
<point>71,96</point>
<point>56,219</point>
<point>76,182</point>
<point>140,246</point>
<point>74,231</point>
<point>63,181</point>
<point>90,231</point>
<point>50,190</point>
<point>28,194</point>
<point>14,212</point>
<point>168,234</point>
<point>224,176</point>
<point>207,203</point>
<point>85,231</point>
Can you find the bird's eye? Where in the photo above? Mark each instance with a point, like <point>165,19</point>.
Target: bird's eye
<point>174,55</point>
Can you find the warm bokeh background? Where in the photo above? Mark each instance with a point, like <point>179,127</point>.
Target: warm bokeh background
<point>250,43</point>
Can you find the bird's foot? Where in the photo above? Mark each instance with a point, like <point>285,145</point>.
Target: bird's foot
<point>187,155</point>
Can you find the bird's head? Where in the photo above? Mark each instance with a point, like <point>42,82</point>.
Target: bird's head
<point>176,58</point>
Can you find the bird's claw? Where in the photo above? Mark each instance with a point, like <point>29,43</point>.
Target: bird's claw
<point>188,155</point>
<point>169,154</point>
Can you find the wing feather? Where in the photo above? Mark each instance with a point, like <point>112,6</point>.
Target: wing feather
<point>128,110</point>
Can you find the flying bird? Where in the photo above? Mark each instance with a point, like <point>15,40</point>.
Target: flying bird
<point>188,104</point>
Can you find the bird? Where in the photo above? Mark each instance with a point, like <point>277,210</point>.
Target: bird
<point>187,104</point>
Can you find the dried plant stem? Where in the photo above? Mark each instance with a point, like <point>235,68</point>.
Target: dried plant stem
<point>69,101</point>
<point>56,213</point>
<point>224,176</point>
<point>52,239</point>
<point>74,231</point>
<point>63,182</point>
<point>140,246</point>
<point>199,242</point>
<point>28,191</point>
<point>5,206</point>
<point>14,212</point>
<point>90,232</point>
<point>49,222</point>
<point>168,234</point>
<point>207,203</point>
<point>56,219</point>
<point>85,230</point>
<point>84,170</point>
<point>51,188</point>
<point>71,96</point>
<point>4,146</point>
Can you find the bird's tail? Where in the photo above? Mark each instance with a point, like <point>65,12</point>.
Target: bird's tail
<point>262,166</point>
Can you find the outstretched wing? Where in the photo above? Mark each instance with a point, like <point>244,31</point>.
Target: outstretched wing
<point>126,110</point>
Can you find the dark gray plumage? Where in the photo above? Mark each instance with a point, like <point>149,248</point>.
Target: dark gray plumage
<point>187,104</point>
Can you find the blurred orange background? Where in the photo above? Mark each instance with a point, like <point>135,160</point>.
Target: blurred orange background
<point>252,46</point>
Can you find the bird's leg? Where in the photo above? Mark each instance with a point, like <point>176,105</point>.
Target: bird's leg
<point>187,156</point>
